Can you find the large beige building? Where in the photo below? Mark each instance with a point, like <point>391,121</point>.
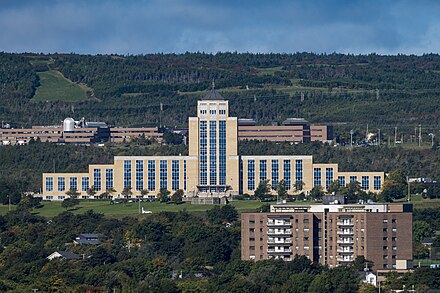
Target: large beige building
<point>212,167</point>
<point>332,235</point>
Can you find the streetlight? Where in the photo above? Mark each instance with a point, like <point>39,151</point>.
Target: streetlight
<point>432,138</point>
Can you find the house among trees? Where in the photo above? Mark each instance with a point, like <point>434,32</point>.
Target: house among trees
<point>88,239</point>
<point>65,255</point>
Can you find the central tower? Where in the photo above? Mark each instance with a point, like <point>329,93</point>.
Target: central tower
<point>213,140</point>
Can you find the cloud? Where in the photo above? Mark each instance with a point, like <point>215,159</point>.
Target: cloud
<point>134,27</point>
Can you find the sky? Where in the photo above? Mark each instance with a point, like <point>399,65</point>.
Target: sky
<point>258,26</point>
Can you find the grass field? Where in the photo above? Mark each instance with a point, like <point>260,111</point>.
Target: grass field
<point>51,209</point>
<point>55,87</point>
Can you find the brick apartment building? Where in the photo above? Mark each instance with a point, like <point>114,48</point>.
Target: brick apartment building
<point>332,235</point>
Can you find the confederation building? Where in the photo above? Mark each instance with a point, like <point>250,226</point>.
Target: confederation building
<point>212,168</point>
<point>333,234</point>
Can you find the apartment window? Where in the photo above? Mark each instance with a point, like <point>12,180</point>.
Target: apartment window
<point>49,183</point>
<point>251,247</point>
<point>251,222</point>
<point>73,183</point>
<point>263,170</point>
<point>61,184</point>
<point>275,173</point>
<point>365,185</point>
<point>163,174</point>
<point>385,266</point>
<point>393,221</point>
<point>385,229</point>
<point>251,174</point>
<point>317,177</point>
<point>306,239</point>
<point>385,221</point>
<point>251,239</point>
<point>394,248</point>
<point>393,257</point>
<point>385,248</point>
<point>385,239</point>
<point>393,239</point>
<point>305,221</point>
<point>385,256</point>
<point>127,173</point>
<point>287,174</point>
<point>85,183</point>
<point>213,152</point>
<point>341,181</point>
<point>306,248</point>
<point>203,112</point>
<point>151,175</point>
<point>139,175</point>
<point>353,179</point>
<point>328,177</point>
<point>251,229</point>
<point>377,182</point>
<point>222,112</point>
<point>203,153</point>
<point>299,173</point>
<point>108,179</point>
<point>394,229</point>
<point>175,174</point>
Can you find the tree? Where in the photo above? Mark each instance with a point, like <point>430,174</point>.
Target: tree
<point>177,196</point>
<point>421,229</point>
<point>110,191</point>
<point>334,187</point>
<point>126,192</point>
<point>299,185</point>
<point>91,191</point>
<point>394,186</point>
<point>144,193</point>
<point>281,189</point>
<point>262,190</point>
<point>72,193</point>
<point>359,263</point>
<point>317,192</point>
<point>163,195</point>
<point>69,203</point>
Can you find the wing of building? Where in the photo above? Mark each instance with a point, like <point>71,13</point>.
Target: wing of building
<point>212,167</point>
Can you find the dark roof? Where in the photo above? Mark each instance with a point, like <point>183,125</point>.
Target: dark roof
<point>87,241</point>
<point>427,240</point>
<point>68,255</point>
<point>213,95</point>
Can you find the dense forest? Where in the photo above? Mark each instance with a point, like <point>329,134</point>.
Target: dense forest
<point>165,252</point>
<point>350,91</point>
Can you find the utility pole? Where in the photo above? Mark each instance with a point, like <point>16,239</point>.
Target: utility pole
<point>160,115</point>
<point>395,135</point>
<point>409,189</point>
<point>420,134</point>
<point>351,138</point>
<point>9,202</point>
<point>378,138</point>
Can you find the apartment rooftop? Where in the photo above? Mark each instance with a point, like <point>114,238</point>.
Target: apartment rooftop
<point>341,208</point>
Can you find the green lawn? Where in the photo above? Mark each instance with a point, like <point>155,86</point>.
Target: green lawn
<point>51,209</point>
<point>55,87</point>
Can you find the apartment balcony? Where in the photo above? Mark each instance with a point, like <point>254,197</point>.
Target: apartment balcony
<point>281,241</point>
<point>279,251</point>
<point>345,259</point>
<point>279,232</point>
<point>278,223</point>
<point>345,231</point>
<point>345,250</point>
<point>345,222</point>
<point>345,241</point>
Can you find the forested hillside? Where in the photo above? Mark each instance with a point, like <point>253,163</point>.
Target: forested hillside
<point>350,91</point>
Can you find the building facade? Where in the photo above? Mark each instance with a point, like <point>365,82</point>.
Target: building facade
<point>332,235</point>
<point>213,166</point>
<point>295,130</point>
